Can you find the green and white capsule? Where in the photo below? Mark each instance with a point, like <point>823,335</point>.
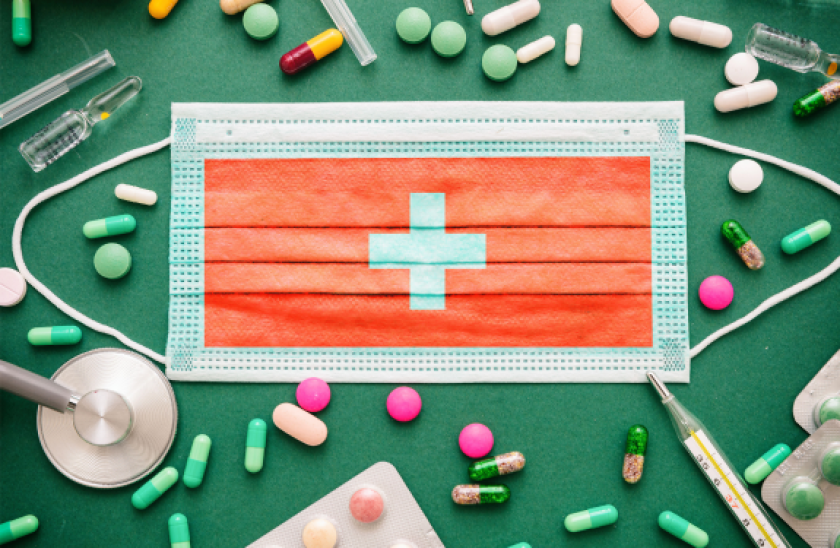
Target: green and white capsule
<point>112,226</point>
<point>55,335</point>
<point>179,531</point>
<point>741,241</point>
<point>805,237</point>
<point>683,530</point>
<point>591,519</point>
<point>21,24</point>
<point>496,466</point>
<point>154,488</point>
<point>255,445</point>
<point>17,528</point>
<point>197,463</point>
<point>768,462</point>
<point>634,453</point>
<point>480,494</point>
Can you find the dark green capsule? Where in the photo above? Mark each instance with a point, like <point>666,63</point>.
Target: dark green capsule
<point>817,99</point>
<point>637,438</point>
<point>496,466</point>
<point>734,233</point>
<point>480,494</point>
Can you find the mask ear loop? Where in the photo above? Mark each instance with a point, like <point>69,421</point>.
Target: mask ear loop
<point>794,289</point>
<point>41,288</point>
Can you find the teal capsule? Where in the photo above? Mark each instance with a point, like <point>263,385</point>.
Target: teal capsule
<point>805,237</point>
<point>521,545</point>
<point>21,23</point>
<point>197,463</point>
<point>591,519</point>
<point>17,528</point>
<point>154,488</point>
<point>683,530</point>
<point>179,531</point>
<point>768,462</point>
<point>255,445</point>
<point>51,336</point>
<point>112,226</point>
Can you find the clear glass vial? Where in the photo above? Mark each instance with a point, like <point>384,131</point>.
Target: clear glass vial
<point>791,51</point>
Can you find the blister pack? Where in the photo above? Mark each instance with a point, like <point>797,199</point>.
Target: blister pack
<point>805,489</point>
<point>820,400</point>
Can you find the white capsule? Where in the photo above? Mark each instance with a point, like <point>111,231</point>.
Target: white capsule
<point>702,32</point>
<point>750,95</point>
<point>741,69</point>
<point>507,17</point>
<point>135,194</point>
<point>529,52</point>
<point>574,39</point>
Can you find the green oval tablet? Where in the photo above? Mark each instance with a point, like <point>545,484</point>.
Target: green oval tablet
<point>499,63</point>
<point>804,501</point>
<point>830,466</point>
<point>449,39</point>
<point>413,25</point>
<point>112,261</point>
<point>830,409</point>
<point>261,21</point>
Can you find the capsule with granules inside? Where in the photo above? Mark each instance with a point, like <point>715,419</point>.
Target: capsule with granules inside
<point>741,241</point>
<point>634,453</point>
<point>496,466</point>
<point>817,99</point>
<point>480,494</point>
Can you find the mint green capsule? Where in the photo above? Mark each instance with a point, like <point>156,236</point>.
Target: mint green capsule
<point>521,545</point>
<point>197,463</point>
<point>768,462</point>
<point>55,335</point>
<point>21,23</point>
<point>154,488</point>
<point>179,531</point>
<point>255,445</point>
<point>111,226</point>
<point>591,519</point>
<point>683,530</point>
<point>17,528</point>
<point>805,237</point>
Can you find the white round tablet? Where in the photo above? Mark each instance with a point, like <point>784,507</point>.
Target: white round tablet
<point>741,69</point>
<point>12,287</point>
<point>746,176</point>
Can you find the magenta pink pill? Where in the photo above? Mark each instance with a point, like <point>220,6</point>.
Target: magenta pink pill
<point>476,440</point>
<point>404,404</point>
<point>716,292</point>
<point>366,505</point>
<point>313,394</point>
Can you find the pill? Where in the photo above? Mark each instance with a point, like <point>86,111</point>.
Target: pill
<point>766,463</point>
<point>835,543</point>
<point>154,488</point>
<point>529,52</point>
<point>135,194</point>
<point>299,424</point>
<point>702,32</point>
<point>499,63</point>
<point>111,226</point>
<point>56,335</point>
<point>21,24</point>
<point>683,530</point>
<point>313,394</point>
<point>319,533</point>
<point>741,241</point>
<point>827,410</point>
<point>12,287</point>
<point>634,454</point>
<point>480,494</point>
<point>830,464</point>
<point>496,466</point>
<point>591,519</point>
<point>817,99</point>
<point>413,25</point>
<point>179,531</point>
<point>232,7</point>
<point>255,445</point>
<point>746,176</point>
<point>507,17</point>
<point>17,528</point>
<point>716,292</point>
<point>197,463</point>
<point>521,545</point>
<point>311,51</point>
<point>404,404</point>
<point>750,95</point>
<point>476,440</point>
<point>574,40</point>
<point>261,21</point>
<point>803,499</point>
<point>366,505</point>
<point>638,16</point>
<point>805,237</point>
<point>112,261</point>
<point>741,69</point>
<point>161,8</point>
<point>449,39</point>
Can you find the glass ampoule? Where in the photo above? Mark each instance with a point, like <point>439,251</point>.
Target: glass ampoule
<point>791,51</point>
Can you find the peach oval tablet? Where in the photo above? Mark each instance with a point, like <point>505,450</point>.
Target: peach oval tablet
<point>303,426</point>
<point>638,16</point>
<point>319,533</point>
<point>232,7</point>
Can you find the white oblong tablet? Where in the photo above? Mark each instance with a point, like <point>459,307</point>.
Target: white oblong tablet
<point>747,96</point>
<point>702,32</point>
<point>741,69</point>
<point>131,193</point>
<point>528,53</point>
<point>574,40</point>
<point>12,287</point>
<point>746,176</point>
<point>507,17</point>
<point>304,427</point>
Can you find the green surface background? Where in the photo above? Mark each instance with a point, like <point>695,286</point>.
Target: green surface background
<point>743,387</point>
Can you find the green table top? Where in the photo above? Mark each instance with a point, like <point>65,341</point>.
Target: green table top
<point>742,387</point>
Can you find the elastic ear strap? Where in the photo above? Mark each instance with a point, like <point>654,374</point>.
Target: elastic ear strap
<point>794,289</point>
<point>41,288</point>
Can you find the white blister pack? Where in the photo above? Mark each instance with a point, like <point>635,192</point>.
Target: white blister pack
<point>820,400</point>
<point>402,522</point>
<point>805,489</point>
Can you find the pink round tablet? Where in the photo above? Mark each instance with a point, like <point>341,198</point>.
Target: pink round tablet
<point>404,404</point>
<point>476,440</point>
<point>366,505</point>
<point>716,292</point>
<point>313,394</point>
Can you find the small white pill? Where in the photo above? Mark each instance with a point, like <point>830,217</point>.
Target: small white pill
<point>12,287</point>
<point>135,194</point>
<point>746,176</point>
<point>702,32</point>
<point>507,17</point>
<point>528,53</point>
<point>741,69</point>
<point>750,95</point>
<point>574,39</point>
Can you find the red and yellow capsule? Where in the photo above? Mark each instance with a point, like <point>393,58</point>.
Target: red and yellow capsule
<point>311,51</point>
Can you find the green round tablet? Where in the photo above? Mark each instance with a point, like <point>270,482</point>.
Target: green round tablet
<point>112,261</point>
<point>261,21</point>
<point>804,500</point>
<point>449,39</point>
<point>413,25</point>
<point>830,409</point>
<point>499,63</point>
<point>830,466</point>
